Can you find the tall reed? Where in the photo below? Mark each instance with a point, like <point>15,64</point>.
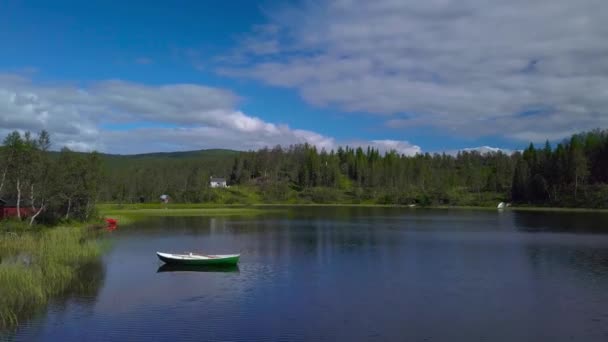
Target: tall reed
<point>37,265</point>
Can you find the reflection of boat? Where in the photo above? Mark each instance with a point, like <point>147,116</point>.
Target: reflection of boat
<point>199,259</point>
<point>197,268</point>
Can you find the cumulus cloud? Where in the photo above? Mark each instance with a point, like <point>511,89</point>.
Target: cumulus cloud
<point>483,150</point>
<point>125,117</point>
<point>525,70</point>
<point>399,146</point>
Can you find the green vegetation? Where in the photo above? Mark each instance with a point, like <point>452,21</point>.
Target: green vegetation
<point>573,174</point>
<point>126,215</point>
<point>51,189</point>
<point>66,185</point>
<point>37,265</point>
<point>38,262</point>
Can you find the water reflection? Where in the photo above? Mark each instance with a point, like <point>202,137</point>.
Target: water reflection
<point>585,257</point>
<point>352,274</point>
<point>80,295</point>
<point>86,284</point>
<point>197,268</point>
<point>570,222</point>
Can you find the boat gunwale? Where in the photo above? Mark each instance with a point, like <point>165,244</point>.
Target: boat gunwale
<point>194,256</point>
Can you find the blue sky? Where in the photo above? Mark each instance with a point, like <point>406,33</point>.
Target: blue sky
<point>142,76</point>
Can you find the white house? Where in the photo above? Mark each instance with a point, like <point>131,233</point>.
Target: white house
<point>217,182</point>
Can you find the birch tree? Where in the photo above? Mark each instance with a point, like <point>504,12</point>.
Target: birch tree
<point>14,145</point>
<point>39,173</point>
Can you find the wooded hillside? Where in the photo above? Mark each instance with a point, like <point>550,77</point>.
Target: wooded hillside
<point>573,173</point>
<point>67,184</point>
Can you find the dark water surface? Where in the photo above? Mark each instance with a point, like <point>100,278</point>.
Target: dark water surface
<point>347,274</point>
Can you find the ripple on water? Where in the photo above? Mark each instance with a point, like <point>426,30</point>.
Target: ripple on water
<point>391,276</point>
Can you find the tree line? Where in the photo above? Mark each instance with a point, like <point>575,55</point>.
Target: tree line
<point>52,186</point>
<point>572,173</point>
<point>67,184</point>
<point>575,173</point>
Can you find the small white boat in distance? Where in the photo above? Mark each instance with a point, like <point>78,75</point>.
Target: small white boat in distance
<point>501,205</point>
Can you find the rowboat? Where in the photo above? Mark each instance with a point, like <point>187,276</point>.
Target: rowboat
<point>197,268</point>
<point>198,259</point>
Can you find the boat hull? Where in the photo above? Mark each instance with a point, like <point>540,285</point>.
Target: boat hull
<point>223,260</point>
<point>198,268</point>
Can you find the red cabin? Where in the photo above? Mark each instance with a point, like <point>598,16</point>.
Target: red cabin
<point>9,209</point>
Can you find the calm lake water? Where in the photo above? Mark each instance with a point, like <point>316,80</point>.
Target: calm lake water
<point>347,274</point>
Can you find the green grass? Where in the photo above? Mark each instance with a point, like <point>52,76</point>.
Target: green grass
<point>127,214</point>
<point>37,265</point>
<point>157,206</point>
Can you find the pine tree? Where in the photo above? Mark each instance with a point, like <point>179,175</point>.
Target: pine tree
<point>521,177</point>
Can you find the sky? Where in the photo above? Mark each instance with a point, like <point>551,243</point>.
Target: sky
<point>414,76</point>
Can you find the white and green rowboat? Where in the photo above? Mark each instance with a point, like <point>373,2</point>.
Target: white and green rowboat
<point>199,259</point>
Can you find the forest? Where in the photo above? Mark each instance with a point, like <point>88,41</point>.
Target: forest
<point>49,186</point>
<point>67,185</point>
<point>574,173</point>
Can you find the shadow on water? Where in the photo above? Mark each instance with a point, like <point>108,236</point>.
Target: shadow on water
<point>585,260</point>
<point>197,268</point>
<point>562,222</point>
<point>347,274</point>
<point>86,284</point>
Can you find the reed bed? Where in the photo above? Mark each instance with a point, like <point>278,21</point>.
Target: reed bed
<point>37,265</point>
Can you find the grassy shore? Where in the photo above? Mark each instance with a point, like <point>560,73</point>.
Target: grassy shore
<point>127,213</point>
<point>211,209</point>
<point>38,264</point>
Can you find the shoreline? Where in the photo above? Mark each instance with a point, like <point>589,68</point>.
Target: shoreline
<point>60,250</point>
<point>203,209</point>
<point>41,264</point>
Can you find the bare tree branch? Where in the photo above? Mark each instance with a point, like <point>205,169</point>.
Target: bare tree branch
<point>33,218</point>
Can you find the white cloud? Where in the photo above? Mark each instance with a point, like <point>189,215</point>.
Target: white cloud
<point>176,103</point>
<point>125,117</point>
<point>144,140</point>
<point>480,149</point>
<point>400,146</point>
<point>487,149</point>
<point>470,67</point>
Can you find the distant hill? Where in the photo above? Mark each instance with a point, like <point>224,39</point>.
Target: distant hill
<point>217,161</point>
<point>210,153</point>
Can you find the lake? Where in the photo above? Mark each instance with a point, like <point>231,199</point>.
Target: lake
<point>346,274</point>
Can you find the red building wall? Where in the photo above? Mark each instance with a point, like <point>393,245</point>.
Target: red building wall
<point>12,212</point>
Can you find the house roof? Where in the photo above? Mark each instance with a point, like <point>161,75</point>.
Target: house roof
<point>218,180</point>
<point>13,203</point>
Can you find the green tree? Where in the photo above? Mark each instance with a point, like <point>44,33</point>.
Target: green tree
<point>38,173</point>
<point>578,164</point>
<point>519,191</point>
<point>15,166</point>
